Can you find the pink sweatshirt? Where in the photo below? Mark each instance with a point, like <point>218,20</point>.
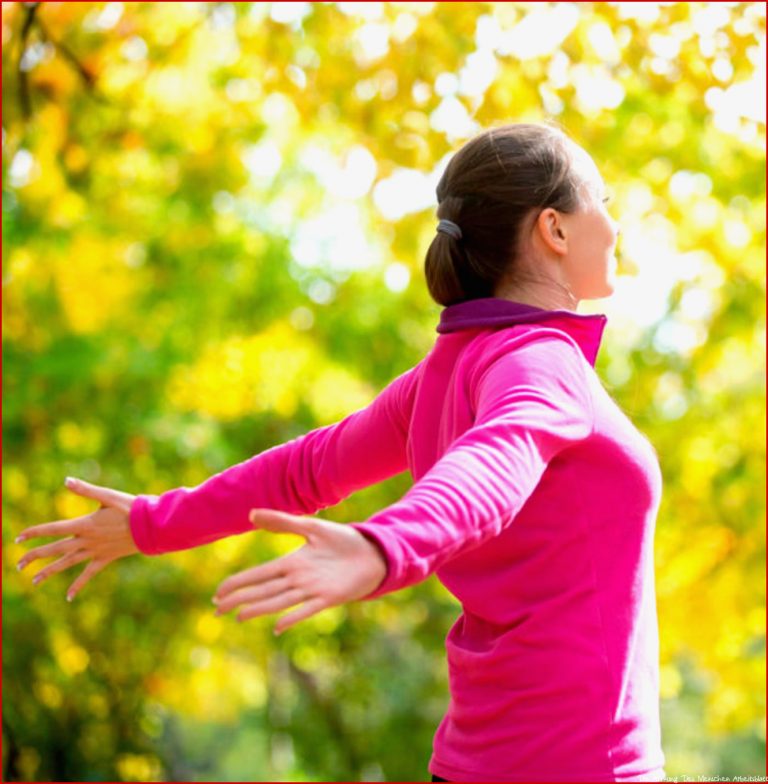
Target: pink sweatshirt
<point>534,501</point>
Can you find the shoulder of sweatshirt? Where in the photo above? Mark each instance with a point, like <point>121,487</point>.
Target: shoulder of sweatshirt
<point>399,394</point>
<point>530,343</point>
<point>529,356</point>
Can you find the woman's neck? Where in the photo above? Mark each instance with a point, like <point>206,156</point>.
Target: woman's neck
<point>546,294</point>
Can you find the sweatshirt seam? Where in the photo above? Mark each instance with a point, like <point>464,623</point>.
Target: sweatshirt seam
<point>590,400</point>
<point>603,643</point>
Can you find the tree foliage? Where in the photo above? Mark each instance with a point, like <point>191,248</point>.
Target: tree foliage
<point>214,223</point>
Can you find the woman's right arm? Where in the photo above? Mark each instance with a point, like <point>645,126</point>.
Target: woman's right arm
<point>311,472</point>
<point>308,473</point>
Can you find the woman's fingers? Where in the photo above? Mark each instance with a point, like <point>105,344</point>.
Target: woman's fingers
<point>253,593</point>
<point>324,572</point>
<point>309,608</point>
<point>282,522</point>
<point>47,550</point>
<point>106,495</point>
<point>283,601</point>
<point>70,559</point>
<point>256,574</point>
<point>56,528</point>
<point>92,568</point>
<point>276,522</point>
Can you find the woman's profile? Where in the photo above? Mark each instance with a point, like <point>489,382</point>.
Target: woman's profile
<point>534,498</point>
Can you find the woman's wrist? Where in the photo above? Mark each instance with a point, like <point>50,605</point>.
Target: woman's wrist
<point>378,559</point>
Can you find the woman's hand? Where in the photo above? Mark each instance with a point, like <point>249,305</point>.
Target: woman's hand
<point>103,536</point>
<point>336,565</point>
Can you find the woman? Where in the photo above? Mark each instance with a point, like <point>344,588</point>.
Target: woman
<point>534,498</point>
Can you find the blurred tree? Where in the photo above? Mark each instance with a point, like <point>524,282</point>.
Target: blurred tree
<point>214,221</point>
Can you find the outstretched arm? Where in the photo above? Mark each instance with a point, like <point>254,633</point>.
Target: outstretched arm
<point>531,404</point>
<point>311,472</point>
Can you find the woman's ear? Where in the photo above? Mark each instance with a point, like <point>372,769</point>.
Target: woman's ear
<point>551,231</point>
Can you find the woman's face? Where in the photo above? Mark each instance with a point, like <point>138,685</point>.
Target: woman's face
<point>590,262</point>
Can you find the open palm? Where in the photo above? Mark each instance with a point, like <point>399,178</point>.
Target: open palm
<point>99,537</point>
<point>336,565</point>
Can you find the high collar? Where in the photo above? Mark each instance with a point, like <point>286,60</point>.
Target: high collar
<point>585,329</point>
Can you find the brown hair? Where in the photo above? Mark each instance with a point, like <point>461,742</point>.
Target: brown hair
<point>488,188</point>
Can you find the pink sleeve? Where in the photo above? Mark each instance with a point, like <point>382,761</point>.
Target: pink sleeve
<point>309,473</point>
<point>530,404</point>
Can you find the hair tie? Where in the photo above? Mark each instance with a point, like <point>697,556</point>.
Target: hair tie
<point>449,227</point>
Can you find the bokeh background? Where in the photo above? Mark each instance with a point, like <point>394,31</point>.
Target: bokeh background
<point>214,223</point>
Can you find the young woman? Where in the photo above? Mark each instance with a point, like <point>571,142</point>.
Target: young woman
<point>534,497</point>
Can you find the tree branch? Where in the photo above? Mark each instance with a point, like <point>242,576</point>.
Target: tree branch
<point>330,713</point>
<point>86,75</point>
<point>26,27</point>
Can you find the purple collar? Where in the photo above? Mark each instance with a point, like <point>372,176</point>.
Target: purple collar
<point>586,330</point>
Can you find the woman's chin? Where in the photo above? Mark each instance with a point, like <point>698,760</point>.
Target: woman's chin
<point>610,278</point>
<point>608,287</point>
